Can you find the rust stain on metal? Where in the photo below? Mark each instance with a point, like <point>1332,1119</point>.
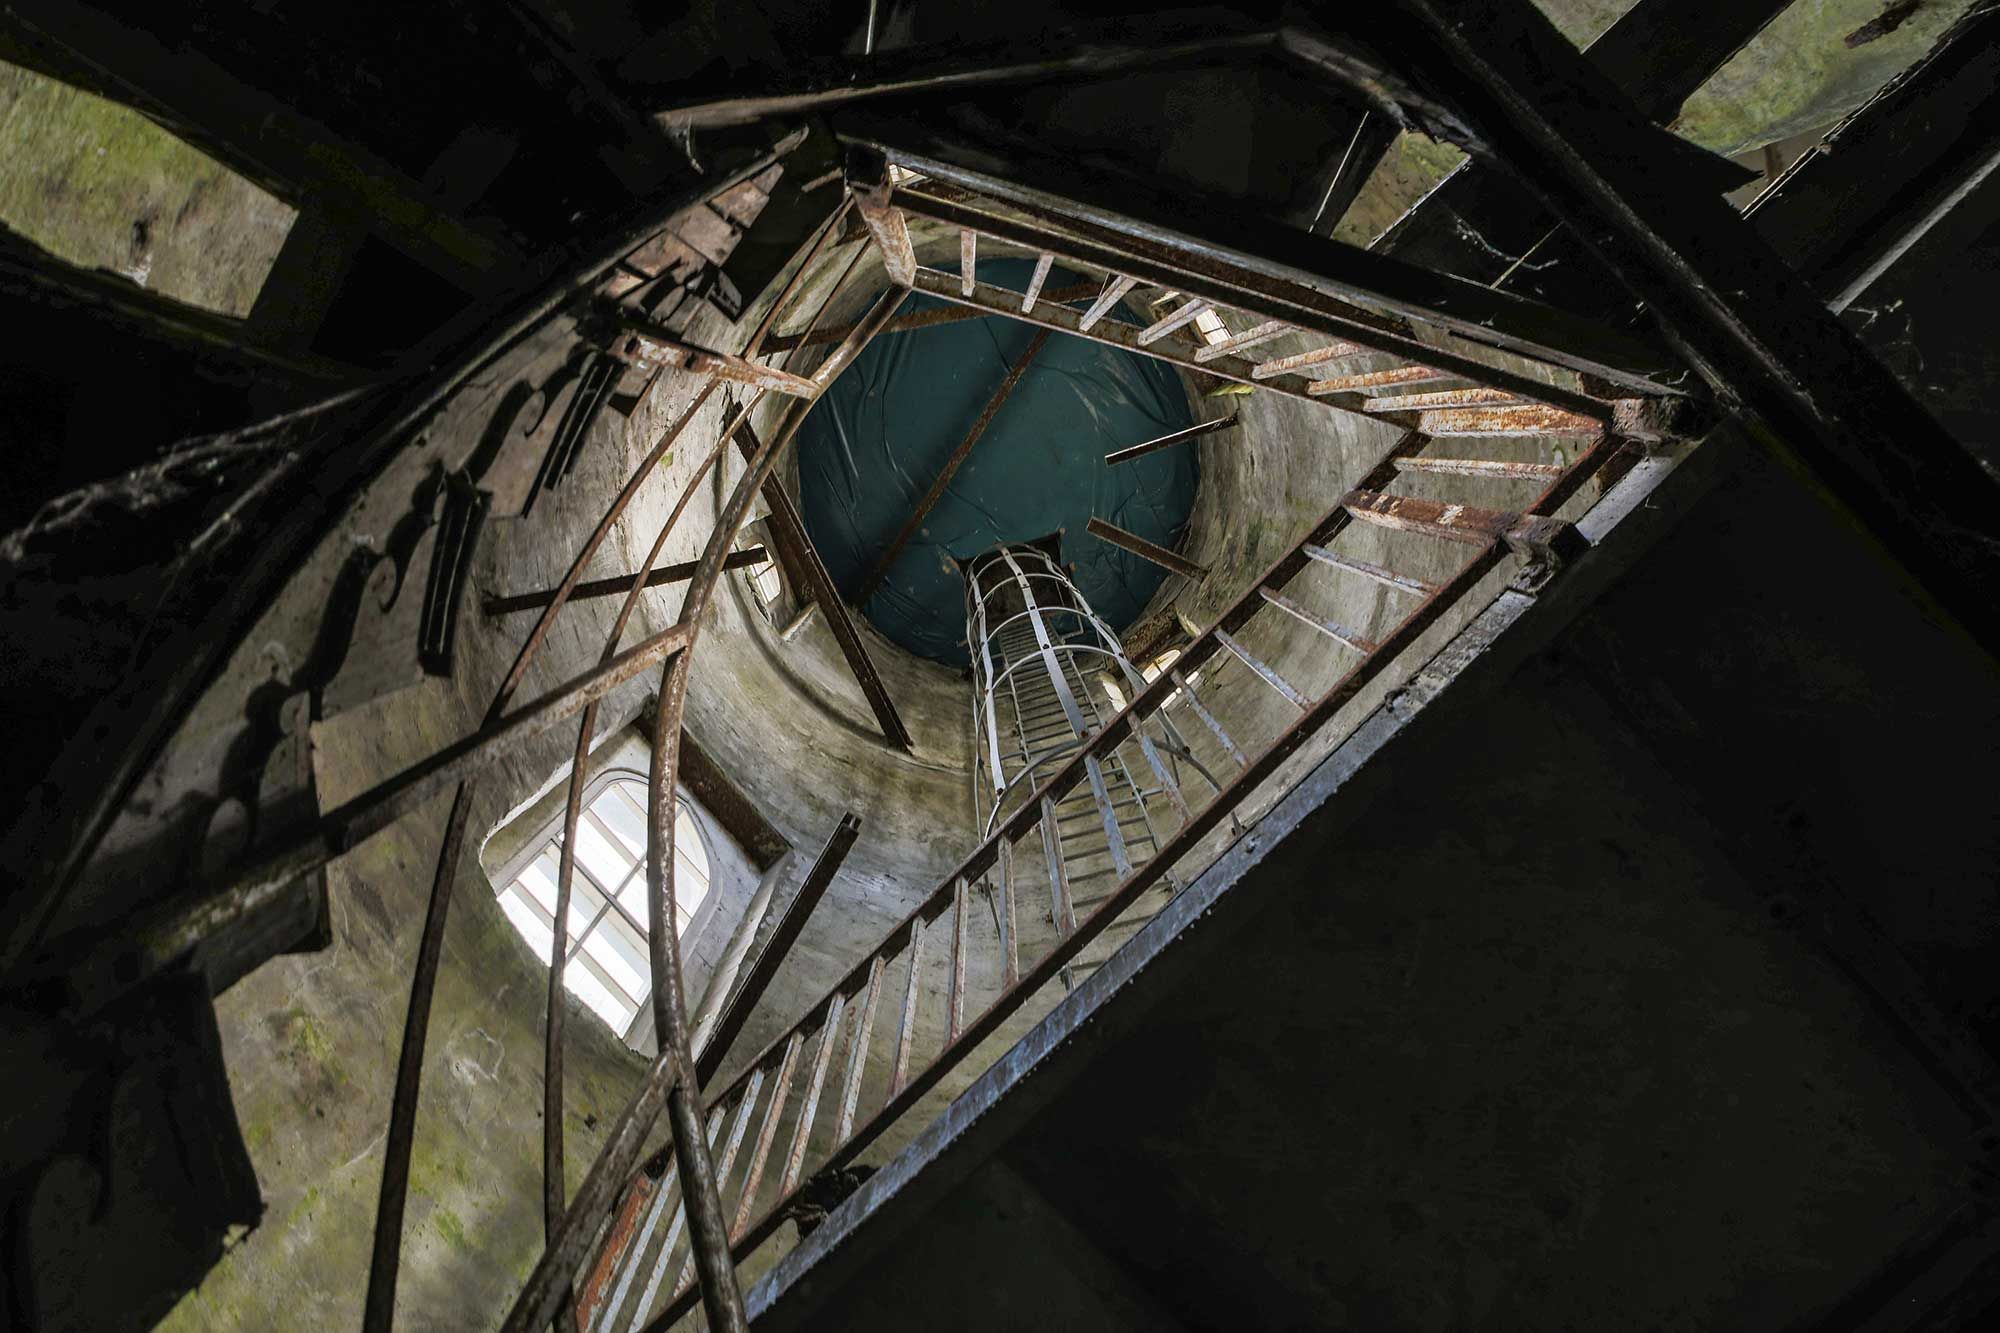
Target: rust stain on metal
<point>1285,365</point>
<point>592,1292</point>
<point>1514,419</point>
<point>1420,402</point>
<point>1375,379</point>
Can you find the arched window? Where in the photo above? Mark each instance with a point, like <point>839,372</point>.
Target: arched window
<point>609,916</point>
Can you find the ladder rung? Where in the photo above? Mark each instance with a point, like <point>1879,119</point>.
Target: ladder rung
<point>1286,365</point>
<point>1514,419</point>
<point>1377,379</point>
<point>1269,329</point>
<point>1479,467</point>
<point>1387,577</point>
<point>1422,402</point>
<point>1270,677</point>
<point>1334,630</point>
<point>1161,327</point>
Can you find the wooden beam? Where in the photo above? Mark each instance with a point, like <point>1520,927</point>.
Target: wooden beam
<point>1170,561</point>
<point>743,1002</point>
<point>952,463</point>
<point>1193,432</point>
<point>665,574</point>
<point>737,96</point>
<point>789,529</point>
<point>1888,175</point>
<point>1659,52</point>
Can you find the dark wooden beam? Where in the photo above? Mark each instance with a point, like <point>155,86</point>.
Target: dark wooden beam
<point>735,96</point>
<point>35,273</point>
<point>665,574</point>
<point>1194,432</point>
<point>1171,561</point>
<point>708,782</point>
<point>1212,248</point>
<point>1660,51</point>
<point>1764,336</point>
<point>952,463</point>
<point>788,529</point>
<point>736,1012</point>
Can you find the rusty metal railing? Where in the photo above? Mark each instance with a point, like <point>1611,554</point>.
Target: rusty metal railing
<point>1013,916</point>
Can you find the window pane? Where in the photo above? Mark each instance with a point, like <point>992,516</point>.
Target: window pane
<point>606,861</point>
<point>635,901</point>
<point>623,954</point>
<point>688,843</point>
<point>585,903</point>
<point>534,929</point>
<point>616,806</point>
<point>539,881</point>
<point>591,991</point>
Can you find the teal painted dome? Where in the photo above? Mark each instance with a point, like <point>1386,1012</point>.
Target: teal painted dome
<point>873,445</point>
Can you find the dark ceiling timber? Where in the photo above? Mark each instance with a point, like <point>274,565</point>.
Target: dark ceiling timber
<point>814,86</point>
<point>259,135</point>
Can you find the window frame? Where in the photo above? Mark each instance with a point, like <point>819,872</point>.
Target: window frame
<point>548,839</point>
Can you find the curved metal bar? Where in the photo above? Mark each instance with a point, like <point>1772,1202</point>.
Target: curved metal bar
<point>552,1046</point>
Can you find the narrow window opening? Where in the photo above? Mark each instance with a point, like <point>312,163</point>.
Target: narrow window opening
<point>607,964</point>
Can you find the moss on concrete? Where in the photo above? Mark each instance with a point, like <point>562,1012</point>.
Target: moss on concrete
<point>103,187</point>
<point>1799,74</point>
<point>1411,169</point>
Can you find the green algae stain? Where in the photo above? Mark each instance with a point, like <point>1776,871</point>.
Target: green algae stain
<point>451,1228</point>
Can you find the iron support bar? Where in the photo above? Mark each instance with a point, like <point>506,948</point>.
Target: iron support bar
<point>988,299</point>
<point>952,463</point>
<point>921,319</point>
<point>789,529</point>
<point>108,970</point>
<point>778,948</point>
<point>868,181</point>
<point>583,592</point>
<point>1170,561</point>
<point>1251,263</point>
<point>1194,432</point>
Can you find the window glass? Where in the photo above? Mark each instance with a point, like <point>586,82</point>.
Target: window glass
<point>608,967</point>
